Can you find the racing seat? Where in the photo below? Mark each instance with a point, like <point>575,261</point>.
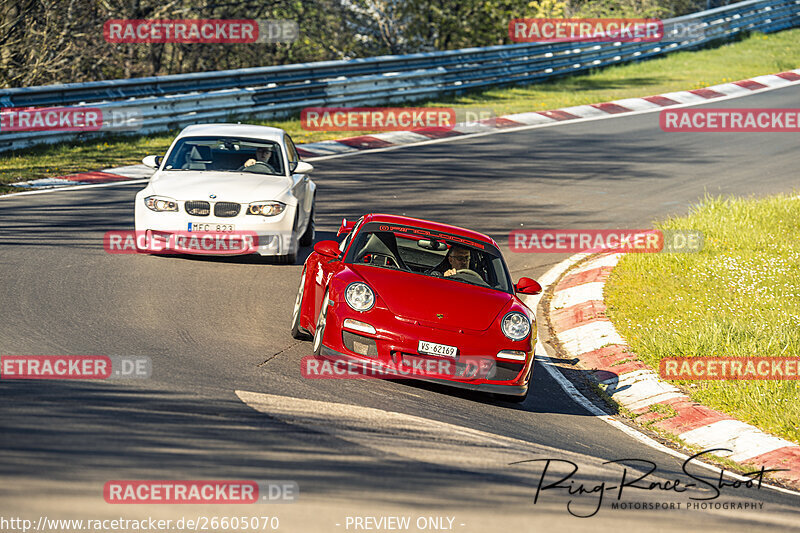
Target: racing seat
<point>198,158</point>
<point>381,244</point>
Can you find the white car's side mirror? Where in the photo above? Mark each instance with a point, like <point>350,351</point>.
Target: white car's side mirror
<point>152,161</point>
<point>303,168</point>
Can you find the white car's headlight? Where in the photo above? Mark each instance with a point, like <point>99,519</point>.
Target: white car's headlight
<point>266,209</point>
<point>516,326</point>
<point>359,296</point>
<point>161,203</point>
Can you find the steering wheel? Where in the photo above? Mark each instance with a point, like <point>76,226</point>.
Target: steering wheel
<point>252,169</point>
<point>469,275</point>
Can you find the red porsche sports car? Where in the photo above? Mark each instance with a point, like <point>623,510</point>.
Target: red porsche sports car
<point>398,292</point>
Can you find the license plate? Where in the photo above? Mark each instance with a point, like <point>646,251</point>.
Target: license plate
<point>211,227</point>
<point>442,350</point>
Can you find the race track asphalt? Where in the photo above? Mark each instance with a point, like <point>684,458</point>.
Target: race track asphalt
<point>216,326</point>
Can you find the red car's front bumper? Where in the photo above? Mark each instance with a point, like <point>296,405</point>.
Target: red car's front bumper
<point>396,347</point>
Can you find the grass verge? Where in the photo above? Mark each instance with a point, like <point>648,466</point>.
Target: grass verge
<point>738,297</point>
<point>753,56</point>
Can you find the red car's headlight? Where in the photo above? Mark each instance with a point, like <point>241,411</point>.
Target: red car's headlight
<point>516,326</point>
<point>359,296</point>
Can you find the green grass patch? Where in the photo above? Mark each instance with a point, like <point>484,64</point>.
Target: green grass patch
<point>738,297</point>
<point>666,411</point>
<point>663,409</point>
<point>755,55</point>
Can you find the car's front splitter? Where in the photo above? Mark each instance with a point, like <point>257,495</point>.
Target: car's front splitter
<point>496,388</point>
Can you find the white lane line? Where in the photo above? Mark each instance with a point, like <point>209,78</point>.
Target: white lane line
<point>548,279</point>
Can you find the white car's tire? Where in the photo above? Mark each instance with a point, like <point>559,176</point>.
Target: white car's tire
<point>288,259</point>
<point>308,237</point>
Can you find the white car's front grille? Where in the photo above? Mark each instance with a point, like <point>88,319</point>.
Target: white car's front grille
<point>198,208</point>
<point>226,209</point>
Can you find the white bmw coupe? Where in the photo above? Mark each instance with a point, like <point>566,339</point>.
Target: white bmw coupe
<point>226,179</point>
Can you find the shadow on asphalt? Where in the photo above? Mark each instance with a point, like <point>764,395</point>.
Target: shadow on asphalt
<point>120,432</point>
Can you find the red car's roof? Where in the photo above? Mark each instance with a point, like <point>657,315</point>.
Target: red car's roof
<point>428,225</point>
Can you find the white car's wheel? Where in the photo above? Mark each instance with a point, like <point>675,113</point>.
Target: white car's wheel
<point>288,259</point>
<point>308,237</point>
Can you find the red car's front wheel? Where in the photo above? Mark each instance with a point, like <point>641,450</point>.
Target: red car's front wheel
<point>320,331</point>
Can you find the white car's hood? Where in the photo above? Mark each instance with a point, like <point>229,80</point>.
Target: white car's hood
<point>240,187</point>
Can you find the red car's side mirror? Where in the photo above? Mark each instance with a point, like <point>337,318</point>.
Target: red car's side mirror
<point>527,286</point>
<point>328,249</point>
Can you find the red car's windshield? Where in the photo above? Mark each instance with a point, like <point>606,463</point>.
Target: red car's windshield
<point>429,253</point>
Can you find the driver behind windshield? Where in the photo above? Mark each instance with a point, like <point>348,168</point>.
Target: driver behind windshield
<point>457,258</point>
<point>263,155</point>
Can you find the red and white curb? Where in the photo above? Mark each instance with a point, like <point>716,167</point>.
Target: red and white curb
<point>578,316</point>
<point>388,140</point>
<point>109,175</point>
<point>617,107</point>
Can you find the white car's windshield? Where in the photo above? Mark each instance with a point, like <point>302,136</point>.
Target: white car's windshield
<point>226,155</point>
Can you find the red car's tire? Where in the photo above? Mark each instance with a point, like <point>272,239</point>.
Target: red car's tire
<point>320,330</point>
<point>513,399</point>
<point>297,331</point>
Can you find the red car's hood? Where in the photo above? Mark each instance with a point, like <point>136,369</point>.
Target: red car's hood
<point>423,298</point>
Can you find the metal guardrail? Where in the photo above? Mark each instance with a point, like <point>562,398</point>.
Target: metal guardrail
<point>168,102</point>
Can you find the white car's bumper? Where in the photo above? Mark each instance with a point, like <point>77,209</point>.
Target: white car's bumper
<point>273,235</point>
